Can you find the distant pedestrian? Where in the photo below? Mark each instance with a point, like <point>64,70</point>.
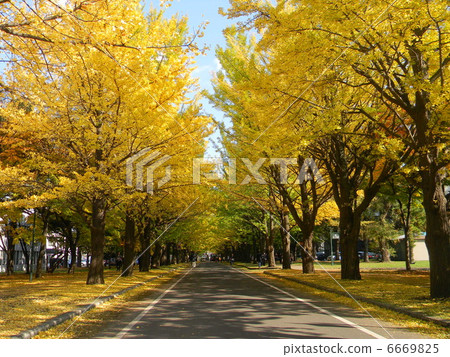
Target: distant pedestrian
<point>193,259</point>
<point>259,259</point>
<point>119,263</point>
<point>263,259</point>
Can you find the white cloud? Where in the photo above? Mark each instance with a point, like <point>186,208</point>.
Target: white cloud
<point>218,65</point>
<point>202,69</point>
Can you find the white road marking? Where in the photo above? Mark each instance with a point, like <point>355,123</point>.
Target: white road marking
<point>125,330</point>
<point>350,323</point>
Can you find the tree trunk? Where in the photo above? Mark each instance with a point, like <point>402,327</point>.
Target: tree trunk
<point>173,253</point>
<point>10,251</point>
<point>294,251</point>
<point>285,238</point>
<point>306,221</point>
<point>72,243</point>
<point>437,237</point>
<point>41,257</point>
<point>407,248</point>
<point>129,246</point>
<point>385,255</point>
<point>156,258</point>
<point>79,257</point>
<point>163,259</point>
<point>73,256</point>
<point>45,213</point>
<point>145,259</point>
<point>307,251</point>
<point>269,243</point>
<point>262,241</point>
<point>406,220</point>
<point>66,253</point>
<point>10,260</point>
<point>26,255</point>
<point>95,274</point>
<point>185,256</point>
<point>176,254</point>
<point>168,253</point>
<point>349,228</point>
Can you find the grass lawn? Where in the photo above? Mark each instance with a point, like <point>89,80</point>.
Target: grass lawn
<point>401,288</point>
<point>24,305</point>
<point>326,265</point>
<point>374,265</point>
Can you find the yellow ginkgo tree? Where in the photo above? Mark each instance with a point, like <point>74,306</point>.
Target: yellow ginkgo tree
<point>382,68</point>
<point>97,102</point>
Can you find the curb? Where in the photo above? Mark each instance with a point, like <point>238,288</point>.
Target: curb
<point>57,320</point>
<point>402,310</point>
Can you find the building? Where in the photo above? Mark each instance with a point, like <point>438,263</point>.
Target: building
<point>419,248</point>
<point>19,256</point>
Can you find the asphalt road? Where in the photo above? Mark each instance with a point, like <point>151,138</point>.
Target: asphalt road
<point>216,301</point>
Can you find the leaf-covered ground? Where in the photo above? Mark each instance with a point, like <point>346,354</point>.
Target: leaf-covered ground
<point>372,265</point>
<point>25,304</point>
<point>400,288</point>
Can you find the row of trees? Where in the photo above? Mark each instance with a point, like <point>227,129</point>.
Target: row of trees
<point>87,85</point>
<point>389,227</point>
<point>361,88</point>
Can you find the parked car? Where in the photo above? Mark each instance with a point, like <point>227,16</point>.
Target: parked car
<point>334,257</point>
<point>375,256</point>
<point>371,255</point>
<point>321,256</point>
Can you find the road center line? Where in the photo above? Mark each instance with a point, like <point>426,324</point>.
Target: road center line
<point>350,323</point>
<point>126,329</point>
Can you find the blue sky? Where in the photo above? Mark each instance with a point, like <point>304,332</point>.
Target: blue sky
<point>198,12</point>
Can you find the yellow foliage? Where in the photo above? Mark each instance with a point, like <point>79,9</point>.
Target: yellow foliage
<point>24,305</point>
